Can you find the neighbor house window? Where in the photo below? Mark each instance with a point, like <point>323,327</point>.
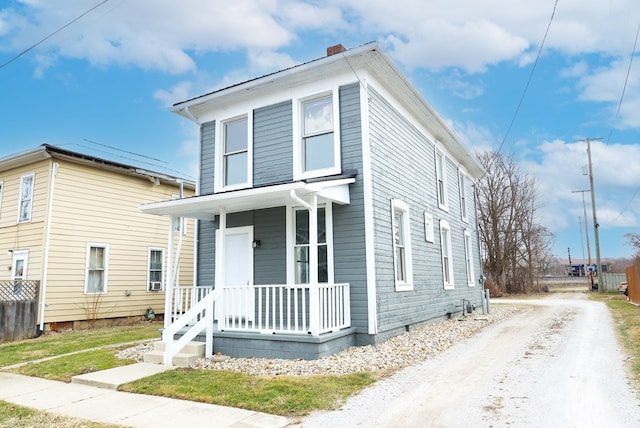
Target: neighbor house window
<point>441,179</point>
<point>19,271</point>
<point>96,270</point>
<point>469,259</point>
<point>179,223</point>
<point>26,198</point>
<point>445,244</point>
<point>1,196</point>
<point>302,246</point>
<point>402,264</point>
<point>463,197</point>
<point>318,152</point>
<point>156,269</point>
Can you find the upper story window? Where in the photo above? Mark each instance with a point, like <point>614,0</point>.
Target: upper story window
<point>441,180</point>
<point>464,210</point>
<point>1,196</point>
<point>318,152</point>
<point>234,165</point>
<point>447,263</point>
<point>96,268</point>
<point>26,198</point>
<point>402,264</point>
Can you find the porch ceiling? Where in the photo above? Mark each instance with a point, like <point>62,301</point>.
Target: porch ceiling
<point>208,206</point>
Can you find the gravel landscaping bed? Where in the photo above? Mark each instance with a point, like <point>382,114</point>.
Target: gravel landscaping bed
<point>400,351</point>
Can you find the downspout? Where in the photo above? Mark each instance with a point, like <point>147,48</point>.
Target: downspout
<point>168,292</point>
<point>483,299</point>
<point>45,267</point>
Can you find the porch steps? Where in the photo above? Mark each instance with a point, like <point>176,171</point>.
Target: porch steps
<point>190,353</point>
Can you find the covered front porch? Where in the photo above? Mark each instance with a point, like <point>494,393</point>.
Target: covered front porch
<point>306,317</point>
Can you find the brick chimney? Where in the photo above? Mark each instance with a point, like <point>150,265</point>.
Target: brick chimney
<point>335,49</point>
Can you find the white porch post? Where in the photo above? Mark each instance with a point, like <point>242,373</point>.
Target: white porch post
<point>221,268</point>
<point>314,293</point>
<point>168,289</point>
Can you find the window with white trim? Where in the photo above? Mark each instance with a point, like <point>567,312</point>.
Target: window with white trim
<point>233,155</point>
<point>441,180</point>
<point>402,263</point>
<point>463,197</point>
<point>96,268</point>
<point>447,262</point>
<point>318,150</point>
<point>301,246</point>
<point>155,272</point>
<point>26,198</point>
<point>19,265</point>
<point>468,255</point>
<point>1,185</point>
<point>179,223</point>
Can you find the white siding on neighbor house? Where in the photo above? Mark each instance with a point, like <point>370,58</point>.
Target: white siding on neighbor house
<point>98,206</point>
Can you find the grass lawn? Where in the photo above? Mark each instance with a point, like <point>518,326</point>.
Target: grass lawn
<point>15,416</point>
<point>53,343</point>
<point>627,319</point>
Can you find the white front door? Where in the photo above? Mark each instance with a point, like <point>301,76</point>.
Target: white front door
<point>238,272</point>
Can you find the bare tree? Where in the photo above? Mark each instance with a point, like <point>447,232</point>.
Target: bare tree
<point>516,248</point>
<point>634,241</point>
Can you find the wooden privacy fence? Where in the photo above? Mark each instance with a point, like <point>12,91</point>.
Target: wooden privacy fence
<point>18,310</point>
<point>633,282</point>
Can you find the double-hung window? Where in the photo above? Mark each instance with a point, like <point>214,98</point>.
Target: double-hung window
<point>155,269</point>
<point>447,262</point>
<point>302,246</point>
<point>235,154</point>
<point>402,264</point>
<point>468,255</point>
<point>441,180</point>
<point>96,270</point>
<point>26,198</point>
<point>1,196</point>
<point>318,151</point>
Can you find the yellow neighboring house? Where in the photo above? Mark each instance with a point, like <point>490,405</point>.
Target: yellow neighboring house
<point>71,221</point>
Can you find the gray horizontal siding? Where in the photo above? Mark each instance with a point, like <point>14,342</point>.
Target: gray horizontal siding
<point>207,157</point>
<point>348,221</point>
<point>403,167</point>
<point>273,144</point>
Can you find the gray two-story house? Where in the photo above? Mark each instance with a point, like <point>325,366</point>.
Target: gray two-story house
<point>335,208</point>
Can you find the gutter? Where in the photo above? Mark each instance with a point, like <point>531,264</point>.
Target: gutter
<point>45,268</point>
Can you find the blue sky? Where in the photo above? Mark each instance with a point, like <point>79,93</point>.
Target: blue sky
<point>104,83</point>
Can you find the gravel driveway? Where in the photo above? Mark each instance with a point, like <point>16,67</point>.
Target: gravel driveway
<point>554,364</point>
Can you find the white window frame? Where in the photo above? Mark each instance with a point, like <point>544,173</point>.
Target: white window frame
<point>162,269</point>
<point>179,223</point>
<point>291,241</point>
<point>464,206</point>
<point>441,180</point>
<point>220,171</point>
<point>402,208</point>
<point>429,234</point>
<point>17,256</point>
<point>468,255</point>
<point>91,245</point>
<point>447,256</point>
<point>299,137</point>
<point>32,176</point>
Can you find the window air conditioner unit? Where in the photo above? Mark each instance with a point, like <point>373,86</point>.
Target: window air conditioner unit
<point>155,286</point>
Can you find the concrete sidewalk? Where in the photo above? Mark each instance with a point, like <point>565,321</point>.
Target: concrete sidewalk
<point>93,397</point>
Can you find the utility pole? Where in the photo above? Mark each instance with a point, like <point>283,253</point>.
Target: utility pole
<point>596,226</point>
<point>586,230</point>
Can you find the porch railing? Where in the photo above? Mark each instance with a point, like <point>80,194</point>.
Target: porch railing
<point>293,309</point>
<point>301,308</point>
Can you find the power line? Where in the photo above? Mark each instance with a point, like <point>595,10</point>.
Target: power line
<point>52,34</point>
<point>526,87</point>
